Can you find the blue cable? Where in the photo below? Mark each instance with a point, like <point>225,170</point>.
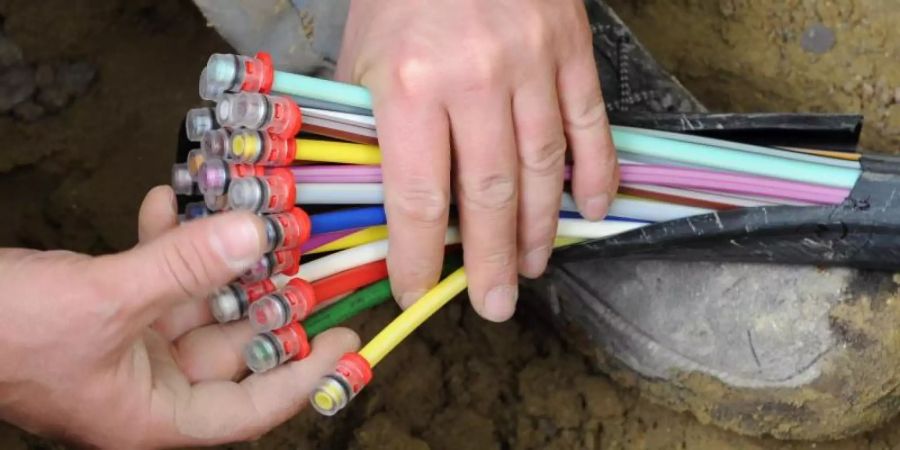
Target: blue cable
<point>347,219</point>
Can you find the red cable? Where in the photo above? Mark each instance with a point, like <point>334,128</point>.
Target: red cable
<point>349,281</point>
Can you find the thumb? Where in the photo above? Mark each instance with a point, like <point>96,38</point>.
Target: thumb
<point>187,262</point>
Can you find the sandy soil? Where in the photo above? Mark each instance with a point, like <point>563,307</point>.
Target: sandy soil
<point>74,180</point>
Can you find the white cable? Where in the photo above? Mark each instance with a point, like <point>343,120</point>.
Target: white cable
<point>327,266</point>
<point>332,125</point>
<point>340,193</point>
<point>640,209</point>
<point>357,120</point>
<point>580,228</point>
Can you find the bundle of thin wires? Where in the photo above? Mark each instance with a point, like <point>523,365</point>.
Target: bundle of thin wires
<point>256,153</point>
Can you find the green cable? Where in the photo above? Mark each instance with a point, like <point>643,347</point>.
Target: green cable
<point>362,300</point>
<point>319,89</point>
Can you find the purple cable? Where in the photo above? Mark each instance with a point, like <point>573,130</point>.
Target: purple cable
<point>317,240</point>
<point>681,177</point>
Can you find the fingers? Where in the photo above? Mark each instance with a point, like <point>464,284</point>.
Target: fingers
<point>220,412</point>
<point>595,175</point>
<point>187,262</point>
<point>214,352</point>
<point>414,138</point>
<point>487,187</point>
<point>158,213</point>
<point>542,147</point>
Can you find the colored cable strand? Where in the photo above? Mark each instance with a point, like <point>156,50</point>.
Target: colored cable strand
<point>362,300</point>
<point>322,239</point>
<point>361,237</point>
<point>347,218</point>
<point>337,152</point>
<point>656,144</point>
<point>349,280</point>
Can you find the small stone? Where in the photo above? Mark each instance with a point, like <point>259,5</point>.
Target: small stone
<point>54,98</point>
<point>16,86</point>
<point>10,53</point>
<point>818,39</point>
<point>76,77</point>
<point>29,111</point>
<point>726,7</point>
<point>868,90</point>
<point>45,75</point>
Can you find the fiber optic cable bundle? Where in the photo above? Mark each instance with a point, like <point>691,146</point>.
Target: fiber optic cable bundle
<point>284,145</point>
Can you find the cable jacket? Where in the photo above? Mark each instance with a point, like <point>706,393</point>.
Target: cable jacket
<point>319,240</point>
<point>361,237</point>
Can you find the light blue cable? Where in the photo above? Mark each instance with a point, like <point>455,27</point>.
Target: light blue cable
<point>323,90</point>
<point>634,142</point>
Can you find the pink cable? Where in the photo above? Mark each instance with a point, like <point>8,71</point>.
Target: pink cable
<point>318,240</point>
<point>681,177</point>
<point>346,174</point>
<point>671,176</point>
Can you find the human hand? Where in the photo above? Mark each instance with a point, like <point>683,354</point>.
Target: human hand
<point>120,351</point>
<point>505,83</point>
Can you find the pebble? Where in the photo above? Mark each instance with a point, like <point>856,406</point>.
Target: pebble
<point>76,77</point>
<point>16,86</point>
<point>54,98</point>
<point>29,111</point>
<point>818,39</point>
<point>10,53</point>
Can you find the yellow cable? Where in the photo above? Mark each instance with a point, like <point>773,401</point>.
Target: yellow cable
<point>364,236</point>
<point>337,152</point>
<point>407,322</point>
<point>827,153</point>
<point>401,327</point>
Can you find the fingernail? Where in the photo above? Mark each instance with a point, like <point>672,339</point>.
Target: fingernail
<point>595,208</point>
<point>536,261</point>
<point>407,299</point>
<point>238,241</point>
<point>500,303</point>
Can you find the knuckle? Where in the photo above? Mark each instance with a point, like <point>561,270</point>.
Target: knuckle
<point>546,158</point>
<point>185,266</point>
<point>423,203</point>
<point>491,192</point>
<point>500,258</point>
<point>591,114</point>
<point>412,73</point>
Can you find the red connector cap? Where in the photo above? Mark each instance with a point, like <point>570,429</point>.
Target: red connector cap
<point>301,299</point>
<point>258,290</point>
<point>280,152</point>
<point>286,119</point>
<point>286,262</point>
<point>294,341</point>
<point>289,230</point>
<point>355,370</point>
<point>282,190</point>
<point>259,74</point>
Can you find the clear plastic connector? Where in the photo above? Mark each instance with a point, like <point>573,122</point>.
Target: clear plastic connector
<point>216,203</point>
<point>330,396</point>
<point>198,122</point>
<point>292,304</point>
<point>272,193</point>
<point>226,73</point>
<point>196,210</point>
<point>287,230</point>
<point>182,181</point>
<point>215,175</point>
<point>335,391</point>
<point>195,159</point>
<point>279,116</point>
<point>216,143</point>
<point>232,302</point>
<point>281,262</point>
<point>256,147</point>
<point>269,350</point>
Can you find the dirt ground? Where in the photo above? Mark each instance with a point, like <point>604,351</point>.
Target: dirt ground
<point>74,180</point>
